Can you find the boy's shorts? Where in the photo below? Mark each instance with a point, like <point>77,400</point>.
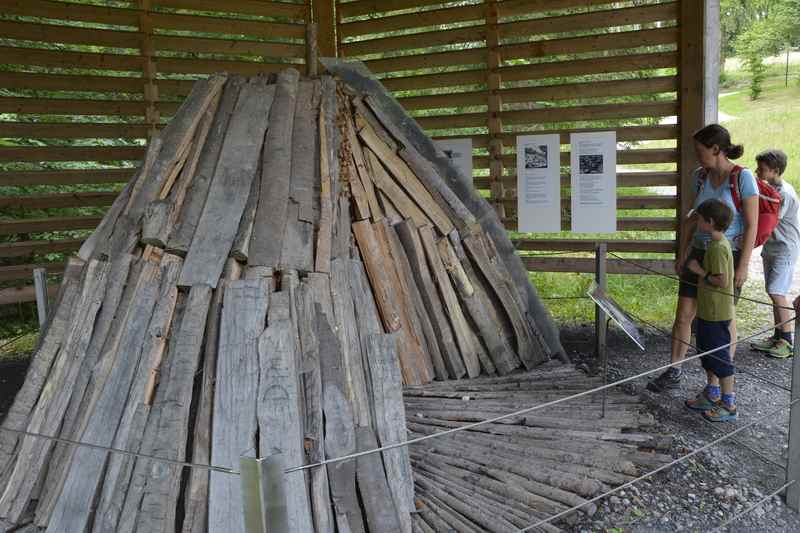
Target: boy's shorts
<point>778,273</point>
<point>690,280</point>
<point>712,335</point>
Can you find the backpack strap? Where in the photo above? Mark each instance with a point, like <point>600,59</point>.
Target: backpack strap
<point>701,179</point>
<point>736,187</point>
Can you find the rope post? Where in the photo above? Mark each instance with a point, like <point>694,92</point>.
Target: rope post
<point>263,494</point>
<point>793,463</point>
<point>40,287</point>
<point>600,318</point>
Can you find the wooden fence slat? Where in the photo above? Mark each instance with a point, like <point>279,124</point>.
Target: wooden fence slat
<point>57,82</point>
<point>415,41</point>
<point>64,177</point>
<point>58,58</point>
<point>58,200</point>
<point>588,245</point>
<point>587,265</point>
<point>624,133</point>
<point>624,179</point>
<point>37,225</point>
<point>173,65</point>
<point>365,7</point>
<point>594,65</point>
<point>639,156</point>
<point>623,202</point>
<point>221,24</point>
<point>475,56</point>
<point>59,33</point>
<point>24,248</point>
<point>448,15</point>
<point>72,130</point>
<point>591,20</point>
<point>71,11</point>
<point>227,46</point>
<point>15,272</point>
<point>15,295</point>
<point>74,106</point>
<point>524,7</point>
<point>244,7</point>
<point>71,153</point>
<point>623,224</point>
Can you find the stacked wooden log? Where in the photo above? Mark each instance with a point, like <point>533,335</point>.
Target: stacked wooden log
<point>505,476</point>
<point>282,262</point>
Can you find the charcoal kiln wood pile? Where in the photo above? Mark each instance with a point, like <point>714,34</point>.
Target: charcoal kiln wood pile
<point>288,256</point>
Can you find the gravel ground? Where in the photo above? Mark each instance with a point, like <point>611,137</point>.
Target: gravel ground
<point>713,486</point>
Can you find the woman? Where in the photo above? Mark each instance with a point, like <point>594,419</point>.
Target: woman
<point>714,152</point>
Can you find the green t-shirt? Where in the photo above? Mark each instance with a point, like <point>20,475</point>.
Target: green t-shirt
<point>716,303</point>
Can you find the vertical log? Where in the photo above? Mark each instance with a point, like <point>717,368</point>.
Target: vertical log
<point>147,50</point>
<point>494,61</point>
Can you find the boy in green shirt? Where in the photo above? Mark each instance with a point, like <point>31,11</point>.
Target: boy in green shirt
<point>714,314</point>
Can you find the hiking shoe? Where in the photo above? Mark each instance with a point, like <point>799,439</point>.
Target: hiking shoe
<point>721,413</point>
<point>764,344</point>
<point>701,402</point>
<point>780,350</point>
<point>669,379</point>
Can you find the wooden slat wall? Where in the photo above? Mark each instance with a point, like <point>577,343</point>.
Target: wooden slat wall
<point>78,102</point>
<point>504,68</point>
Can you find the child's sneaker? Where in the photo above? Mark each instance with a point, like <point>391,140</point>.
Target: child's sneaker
<point>764,344</point>
<point>721,413</point>
<point>780,350</point>
<point>701,402</point>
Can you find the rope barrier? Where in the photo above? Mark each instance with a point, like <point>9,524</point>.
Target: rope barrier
<point>736,517</point>
<point>690,345</point>
<point>516,413</point>
<point>679,280</point>
<point>220,469</point>
<point>660,468</point>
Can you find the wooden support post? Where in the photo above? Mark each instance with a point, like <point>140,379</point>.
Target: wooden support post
<point>324,16</point>
<point>793,463</point>
<point>263,497</point>
<point>495,124</point>
<point>312,54</point>
<point>600,319</point>
<point>692,97</point>
<point>40,286</point>
<point>152,116</point>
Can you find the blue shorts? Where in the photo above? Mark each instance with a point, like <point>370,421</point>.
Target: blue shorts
<point>778,273</point>
<point>712,335</point>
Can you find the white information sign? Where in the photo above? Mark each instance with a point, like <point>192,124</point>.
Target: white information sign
<point>593,165</point>
<point>460,153</point>
<point>538,183</point>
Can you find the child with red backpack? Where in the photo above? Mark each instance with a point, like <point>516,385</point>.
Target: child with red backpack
<point>779,253</point>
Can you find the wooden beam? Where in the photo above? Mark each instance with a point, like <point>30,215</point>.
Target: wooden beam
<point>495,101</point>
<point>586,265</point>
<point>59,200</point>
<point>64,177</point>
<point>17,272</point>
<point>37,225</point>
<point>14,295</point>
<point>587,245</point>
<point>324,13</point>
<point>148,49</point>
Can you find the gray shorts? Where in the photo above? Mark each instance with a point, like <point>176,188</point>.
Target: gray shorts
<point>778,273</point>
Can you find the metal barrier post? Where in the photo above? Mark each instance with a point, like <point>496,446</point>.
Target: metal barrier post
<point>263,495</point>
<point>600,318</point>
<point>793,463</point>
<point>40,287</point>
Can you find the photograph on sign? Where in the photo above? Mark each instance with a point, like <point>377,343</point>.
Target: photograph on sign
<point>593,173</point>
<point>539,183</point>
<point>617,314</point>
<point>459,151</point>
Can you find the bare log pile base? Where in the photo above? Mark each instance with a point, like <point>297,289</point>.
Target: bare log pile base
<point>283,262</point>
<point>504,476</point>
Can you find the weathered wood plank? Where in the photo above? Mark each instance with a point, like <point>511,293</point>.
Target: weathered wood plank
<point>196,194</point>
<point>279,420</point>
<point>346,326</point>
<point>340,437</point>
<point>231,184</point>
<point>107,425</point>
<point>243,318</point>
<point>401,201</point>
<point>305,146</point>
<point>160,496</point>
<point>321,511</point>
<point>379,507</point>
<point>409,237</point>
<point>455,314</point>
<point>328,157</point>
<point>389,407</point>
<point>297,251</point>
<point>270,221</point>
<point>106,331</point>
<point>241,244</point>
<point>378,276</point>
<point>54,399</point>
<point>359,159</point>
<point>197,493</point>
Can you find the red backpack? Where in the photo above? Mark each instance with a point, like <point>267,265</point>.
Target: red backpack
<point>769,203</point>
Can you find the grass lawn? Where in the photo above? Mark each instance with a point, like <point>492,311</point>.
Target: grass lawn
<point>771,121</point>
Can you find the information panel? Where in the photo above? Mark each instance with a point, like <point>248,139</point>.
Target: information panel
<point>593,164</point>
<point>539,183</point>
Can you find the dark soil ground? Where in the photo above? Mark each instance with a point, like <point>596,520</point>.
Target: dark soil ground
<point>708,489</point>
<point>696,495</point>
